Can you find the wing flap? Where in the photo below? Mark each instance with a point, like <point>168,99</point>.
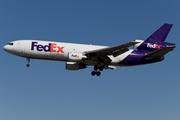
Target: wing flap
<point>159,53</point>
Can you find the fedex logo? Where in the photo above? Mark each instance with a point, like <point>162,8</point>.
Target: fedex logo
<point>51,47</point>
<point>75,55</point>
<point>153,46</point>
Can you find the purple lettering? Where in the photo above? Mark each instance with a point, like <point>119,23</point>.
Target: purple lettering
<point>33,44</point>
<point>47,48</point>
<point>40,48</point>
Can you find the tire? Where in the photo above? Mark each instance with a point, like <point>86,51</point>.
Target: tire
<point>27,65</point>
<point>96,68</point>
<point>93,73</point>
<point>98,73</point>
<point>101,68</point>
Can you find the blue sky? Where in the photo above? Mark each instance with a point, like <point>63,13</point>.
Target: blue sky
<point>46,90</point>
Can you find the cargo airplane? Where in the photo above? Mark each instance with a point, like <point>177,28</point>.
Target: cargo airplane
<point>79,56</point>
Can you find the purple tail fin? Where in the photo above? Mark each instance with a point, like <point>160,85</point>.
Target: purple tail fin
<point>160,34</point>
<point>156,40</point>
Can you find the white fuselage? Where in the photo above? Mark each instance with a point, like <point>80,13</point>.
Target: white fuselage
<point>79,56</point>
<point>59,51</point>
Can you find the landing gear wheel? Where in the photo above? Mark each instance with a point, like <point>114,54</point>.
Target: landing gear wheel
<point>96,68</point>
<point>98,73</point>
<point>101,68</point>
<point>93,73</point>
<point>28,65</point>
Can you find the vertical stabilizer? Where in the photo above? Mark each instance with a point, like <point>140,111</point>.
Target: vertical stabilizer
<point>160,34</point>
<point>156,40</point>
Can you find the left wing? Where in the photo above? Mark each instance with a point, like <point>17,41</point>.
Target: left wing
<point>114,50</point>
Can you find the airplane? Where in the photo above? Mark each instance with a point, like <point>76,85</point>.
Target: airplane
<point>79,56</point>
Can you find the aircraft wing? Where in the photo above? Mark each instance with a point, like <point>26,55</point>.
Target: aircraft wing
<point>159,53</point>
<point>114,50</point>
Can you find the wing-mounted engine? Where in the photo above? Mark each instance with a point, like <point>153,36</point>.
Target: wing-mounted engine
<point>74,66</point>
<point>76,56</point>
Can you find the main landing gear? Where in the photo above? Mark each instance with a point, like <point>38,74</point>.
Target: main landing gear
<point>95,72</point>
<point>28,60</point>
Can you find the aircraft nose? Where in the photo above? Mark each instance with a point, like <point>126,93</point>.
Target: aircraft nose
<point>5,48</point>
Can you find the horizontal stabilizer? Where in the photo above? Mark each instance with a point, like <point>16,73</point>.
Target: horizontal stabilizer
<point>159,53</point>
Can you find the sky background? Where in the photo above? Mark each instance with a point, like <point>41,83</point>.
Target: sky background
<point>47,91</point>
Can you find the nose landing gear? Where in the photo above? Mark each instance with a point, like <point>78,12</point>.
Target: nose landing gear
<point>28,60</point>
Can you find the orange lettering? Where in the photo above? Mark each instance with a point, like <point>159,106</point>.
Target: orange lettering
<point>60,49</point>
<point>52,47</point>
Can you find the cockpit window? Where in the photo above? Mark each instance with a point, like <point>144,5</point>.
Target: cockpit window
<point>10,43</point>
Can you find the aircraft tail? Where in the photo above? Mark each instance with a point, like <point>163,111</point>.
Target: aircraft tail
<point>156,40</point>
<point>160,34</point>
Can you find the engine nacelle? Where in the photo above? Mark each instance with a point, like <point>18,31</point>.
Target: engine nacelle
<point>75,56</point>
<point>74,66</point>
